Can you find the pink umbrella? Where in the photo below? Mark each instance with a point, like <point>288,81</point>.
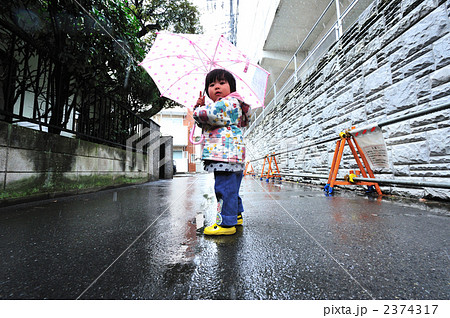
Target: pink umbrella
<point>178,64</point>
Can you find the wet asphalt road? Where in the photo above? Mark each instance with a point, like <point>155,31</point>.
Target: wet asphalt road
<point>142,242</point>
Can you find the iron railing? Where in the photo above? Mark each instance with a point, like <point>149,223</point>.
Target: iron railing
<point>33,95</point>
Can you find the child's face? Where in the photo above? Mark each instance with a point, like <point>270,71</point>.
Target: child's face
<point>218,89</point>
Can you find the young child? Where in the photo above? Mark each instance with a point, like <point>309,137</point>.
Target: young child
<point>223,147</point>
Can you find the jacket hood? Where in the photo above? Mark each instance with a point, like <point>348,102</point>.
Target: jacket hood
<point>245,109</point>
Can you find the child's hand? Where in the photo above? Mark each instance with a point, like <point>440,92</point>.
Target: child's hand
<point>200,101</point>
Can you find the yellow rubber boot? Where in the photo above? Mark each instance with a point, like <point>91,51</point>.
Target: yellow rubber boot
<point>218,230</point>
<point>240,221</point>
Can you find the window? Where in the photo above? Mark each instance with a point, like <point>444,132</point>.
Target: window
<point>178,121</point>
<point>177,154</point>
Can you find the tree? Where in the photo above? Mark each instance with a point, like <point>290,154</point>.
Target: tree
<point>95,46</point>
<point>178,16</point>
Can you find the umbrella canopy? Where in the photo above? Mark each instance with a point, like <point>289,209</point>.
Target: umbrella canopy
<point>178,64</point>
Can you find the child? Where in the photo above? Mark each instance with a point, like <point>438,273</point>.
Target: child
<point>223,147</point>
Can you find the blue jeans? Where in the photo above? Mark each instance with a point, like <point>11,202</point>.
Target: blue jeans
<point>229,204</point>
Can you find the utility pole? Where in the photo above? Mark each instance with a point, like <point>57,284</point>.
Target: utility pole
<point>232,32</point>
<point>236,17</point>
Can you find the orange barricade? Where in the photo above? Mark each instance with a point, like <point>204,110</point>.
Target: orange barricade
<point>365,170</point>
<point>271,173</point>
<point>247,171</point>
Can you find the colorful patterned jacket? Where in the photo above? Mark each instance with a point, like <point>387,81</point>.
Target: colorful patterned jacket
<point>223,137</point>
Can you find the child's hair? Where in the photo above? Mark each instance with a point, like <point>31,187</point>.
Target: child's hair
<point>217,75</point>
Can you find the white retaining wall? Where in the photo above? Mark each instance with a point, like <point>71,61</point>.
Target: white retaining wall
<point>394,61</point>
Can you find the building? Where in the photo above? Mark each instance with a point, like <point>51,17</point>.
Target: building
<point>219,17</point>
<point>178,122</point>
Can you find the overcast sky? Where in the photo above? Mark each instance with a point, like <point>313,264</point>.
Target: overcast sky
<point>246,24</point>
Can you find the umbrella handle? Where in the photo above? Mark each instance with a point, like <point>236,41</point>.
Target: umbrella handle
<point>191,137</point>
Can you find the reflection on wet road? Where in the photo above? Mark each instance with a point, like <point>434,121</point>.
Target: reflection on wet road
<point>146,242</point>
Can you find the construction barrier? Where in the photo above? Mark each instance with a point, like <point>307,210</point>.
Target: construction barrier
<point>249,169</point>
<point>358,154</point>
<point>272,173</point>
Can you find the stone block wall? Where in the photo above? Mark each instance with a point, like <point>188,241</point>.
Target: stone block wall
<point>36,164</point>
<point>394,61</point>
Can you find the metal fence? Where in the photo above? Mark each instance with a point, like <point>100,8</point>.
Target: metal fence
<point>39,93</point>
<point>318,42</point>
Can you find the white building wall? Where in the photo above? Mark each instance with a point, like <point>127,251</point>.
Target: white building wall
<point>254,22</point>
<point>171,122</point>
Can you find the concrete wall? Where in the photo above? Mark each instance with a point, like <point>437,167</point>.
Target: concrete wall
<point>35,164</point>
<point>395,61</point>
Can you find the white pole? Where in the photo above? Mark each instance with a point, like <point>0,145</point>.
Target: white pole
<point>339,21</point>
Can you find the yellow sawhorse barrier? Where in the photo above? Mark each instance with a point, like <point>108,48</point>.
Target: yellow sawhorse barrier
<point>347,138</point>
